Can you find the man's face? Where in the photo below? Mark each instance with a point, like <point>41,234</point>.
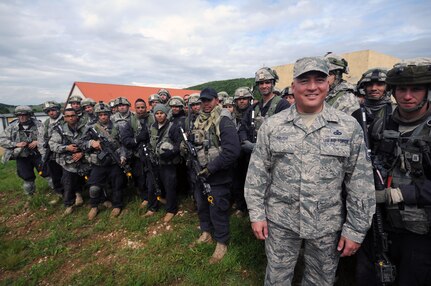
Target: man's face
<point>229,107</point>
<point>290,98</point>
<point>103,117</point>
<point>23,118</point>
<point>160,117</point>
<point>176,109</point>
<point>163,97</point>
<point>375,90</point>
<point>75,105</point>
<point>70,117</point>
<point>154,103</point>
<point>310,90</point>
<point>242,102</point>
<point>409,96</point>
<point>141,108</point>
<point>196,107</point>
<point>89,109</point>
<point>53,113</point>
<point>331,78</point>
<point>265,87</point>
<point>209,104</point>
<point>122,108</point>
<point>186,98</point>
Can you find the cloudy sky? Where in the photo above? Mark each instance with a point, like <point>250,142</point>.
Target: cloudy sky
<point>47,45</point>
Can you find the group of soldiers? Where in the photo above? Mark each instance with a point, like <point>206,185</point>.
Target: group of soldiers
<point>203,143</point>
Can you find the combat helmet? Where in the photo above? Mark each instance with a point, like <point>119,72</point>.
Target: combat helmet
<point>176,101</point>
<point>122,100</point>
<point>165,92</point>
<point>415,71</point>
<point>243,92</point>
<point>265,73</point>
<point>154,97</point>
<point>88,101</point>
<point>48,105</point>
<point>102,107</point>
<point>229,100</point>
<point>222,95</point>
<point>371,75</point>
<point>23,110</point>
<point>336,62</point>
<point>75,98</point>
<point>194,98</point>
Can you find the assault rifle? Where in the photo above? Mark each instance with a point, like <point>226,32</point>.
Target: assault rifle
<point>196,167</point>
<point>108,149</point>
<point>151,164</point>
<point>35,153</point>
<point>385,270</point>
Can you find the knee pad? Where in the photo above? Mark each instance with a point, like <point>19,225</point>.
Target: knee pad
<point>94,191</point>
<point>29,187</point>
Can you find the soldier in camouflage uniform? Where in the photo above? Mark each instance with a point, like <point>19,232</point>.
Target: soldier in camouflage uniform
<point>87,104</point>
<point>401,149</point>
<point>104,168</point>
<point>303,157</point>
<point>270,104</point>
<point>75,103</point>
<point>222,95</point>
<point>20,142</point>
<point>55,171</point>
<point>164,96</point>
<point>216,141</point>
<point>66,142</point>
<point>287,94</point>
<point>123,114</point>
<point>341,93</point>
<point>153,100</point>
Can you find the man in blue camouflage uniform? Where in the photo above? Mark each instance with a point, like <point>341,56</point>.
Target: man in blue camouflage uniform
<point>303,157</point>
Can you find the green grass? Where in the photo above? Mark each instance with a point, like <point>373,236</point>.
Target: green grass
<point>40,246</point>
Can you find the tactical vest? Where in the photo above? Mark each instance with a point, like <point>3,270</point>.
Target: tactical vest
<point>406,159</point>
<point>156,142</point>
<point>207,143</point>
<point>258,119</point>
<point>17,135</point>
<point>99,157</point>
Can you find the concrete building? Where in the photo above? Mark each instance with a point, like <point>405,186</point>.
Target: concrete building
<point>359,62</point>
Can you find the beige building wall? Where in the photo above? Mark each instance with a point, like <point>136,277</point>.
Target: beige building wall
<point>359,62</point>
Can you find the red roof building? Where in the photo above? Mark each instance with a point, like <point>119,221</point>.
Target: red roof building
<point>106,92</point>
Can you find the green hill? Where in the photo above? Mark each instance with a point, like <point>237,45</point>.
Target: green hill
<point>229,85</point>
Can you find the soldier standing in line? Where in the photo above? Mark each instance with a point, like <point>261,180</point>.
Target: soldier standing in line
<point>103,167</point>
<point>400,147</point>
<point>165,142</point>
<point>341,94</point>
<point>52,109</point>
<point>287,94</point>
<point>75,103</point>
<point>133,137</point>
<point>243,99</point>
<point>164,96</point>
<point>123,114</point>
<point>303,157</point>
<point>66,142</point>
<point>87,104</point>
<point>112,106</point>
<point>270,104</point>
<point>222,95</point>
<point>153,100</point>
<point>216,141</point>
<point>20,142</point>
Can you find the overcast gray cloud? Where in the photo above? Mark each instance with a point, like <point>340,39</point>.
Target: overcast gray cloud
<point>47,45</point>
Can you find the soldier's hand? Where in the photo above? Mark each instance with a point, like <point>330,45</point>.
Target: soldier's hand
<point>72,148</point>
<point>247,146</point>
<point>205,173</point>
<point>123,160</point>
<point>390,196</point>
<point>32,145</point>
<point>21,144</point>
<point>77,156</point>
<point>95,144</point>
<point>347,247</point>
<point>260,229</point>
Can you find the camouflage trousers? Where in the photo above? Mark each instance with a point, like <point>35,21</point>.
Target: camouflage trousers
<point>282,248</point>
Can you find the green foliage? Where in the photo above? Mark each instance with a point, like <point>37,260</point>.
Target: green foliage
<point>229,85</point>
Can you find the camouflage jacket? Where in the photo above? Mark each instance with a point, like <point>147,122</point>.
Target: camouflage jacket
<point>46,133</point>
<point>341,97</point>
<point>296,174</point>
<point>14,134</point>
<point>63,136</point>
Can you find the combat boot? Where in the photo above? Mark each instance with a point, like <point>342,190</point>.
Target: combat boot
<point>78,200</point>
<point>93,213</point>
<point>219,253</point>
<point>68,211</point>
<point>204,238</point>
<point>107,204</point>
<point>115,212</point>
<point>149,213</point>
<point>168,217</point>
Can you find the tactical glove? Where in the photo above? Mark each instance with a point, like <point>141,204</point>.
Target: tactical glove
<point>247,146</point>
<point>390,196</point>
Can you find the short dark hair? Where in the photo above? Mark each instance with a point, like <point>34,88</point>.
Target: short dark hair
<point>140,100</point>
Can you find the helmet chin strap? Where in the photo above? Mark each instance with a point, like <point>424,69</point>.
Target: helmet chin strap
<point>421,104</point>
